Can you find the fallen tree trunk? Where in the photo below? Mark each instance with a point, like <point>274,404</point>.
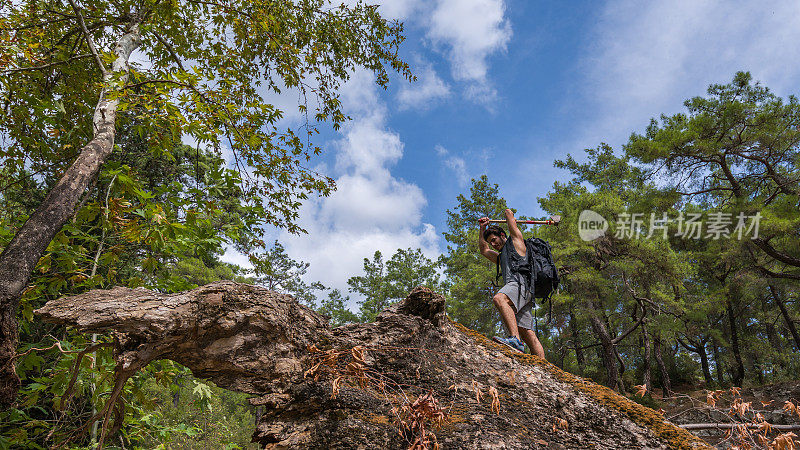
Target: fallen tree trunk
<point>412,377</point>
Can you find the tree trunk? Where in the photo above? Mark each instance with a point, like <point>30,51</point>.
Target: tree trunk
<point>176,397</point>
<point>608,352</point>
<point>718,363</point>
<point>648,377</point>
<point>786,317</point>
<point>769,327</point>
<point>413,376</point>
<point>738,376</point>
<point>622,368</point>
<point>23,252</point>
<point>574,330</point>
<point>665,382</point>
<point>701,350</point>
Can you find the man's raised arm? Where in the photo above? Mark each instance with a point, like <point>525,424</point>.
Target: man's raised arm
<point>514,234</point>
<point>513,229</point>
<point>484,247</point>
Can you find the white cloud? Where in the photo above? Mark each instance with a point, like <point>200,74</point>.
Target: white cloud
<point>471,31</point>
<point>234,257</point>
<point>454,163</point>
<point>649,57</point>
<point>467,31</point>
<point>373,202</point>
<point>427,90</point>
<point>367,148</point>
<point>371,209</point>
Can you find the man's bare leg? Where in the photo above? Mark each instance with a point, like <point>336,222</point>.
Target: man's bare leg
<point>533,342</point>
<point>507,313</point>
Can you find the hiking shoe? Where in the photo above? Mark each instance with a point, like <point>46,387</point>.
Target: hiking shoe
<point>511,342</point>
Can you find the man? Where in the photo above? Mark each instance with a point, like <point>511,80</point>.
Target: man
<point>514,301</point>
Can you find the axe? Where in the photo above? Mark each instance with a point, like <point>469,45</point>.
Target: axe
<point>553,220</point>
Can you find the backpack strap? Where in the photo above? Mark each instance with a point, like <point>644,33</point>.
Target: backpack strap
<point>497,274</point>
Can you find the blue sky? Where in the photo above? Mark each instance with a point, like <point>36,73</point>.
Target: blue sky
<point>505,87</point>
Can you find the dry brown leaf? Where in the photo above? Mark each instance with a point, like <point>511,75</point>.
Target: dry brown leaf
<point>784,441</point>
<point>495,399</point>
<point>335,387</point>
<point>478,393</point>
<point>742,431</point>
<point>790,408</point>
<point>739,407</point>
<point>711,399</point>
<point>358,353</point>
<point>764,428</point>
<point>312,370</point>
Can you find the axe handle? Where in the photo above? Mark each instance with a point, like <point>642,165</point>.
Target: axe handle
<point>534,222</point>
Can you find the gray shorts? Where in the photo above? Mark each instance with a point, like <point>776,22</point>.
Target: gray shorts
<point>523,304</point>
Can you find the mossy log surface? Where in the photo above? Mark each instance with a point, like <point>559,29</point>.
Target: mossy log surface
<point>412,376</point>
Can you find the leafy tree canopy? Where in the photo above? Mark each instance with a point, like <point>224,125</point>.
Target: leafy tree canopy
<point>205,71</point>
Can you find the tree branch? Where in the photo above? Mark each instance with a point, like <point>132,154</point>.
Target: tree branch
<point>89,40</point>
<point>723,163</point>
<point>625,334</point>
<point>771,251</point>
<point>169,49</point>
<point>45,66</point>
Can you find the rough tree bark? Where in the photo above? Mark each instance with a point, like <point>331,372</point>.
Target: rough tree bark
<point>353,386</point>
<point>23,252</point>
<point>608,352</point>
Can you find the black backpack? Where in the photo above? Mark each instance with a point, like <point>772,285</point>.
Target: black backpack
<point>543,274</point>
<point>541,270</point>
